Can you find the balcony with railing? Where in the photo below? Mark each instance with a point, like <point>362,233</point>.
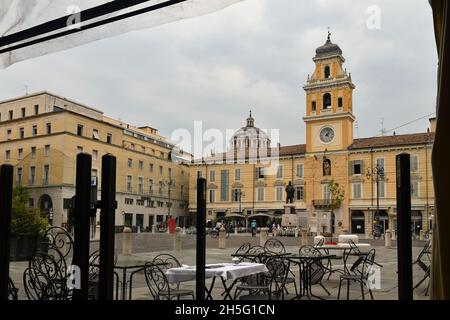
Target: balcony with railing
<point>322,203</point>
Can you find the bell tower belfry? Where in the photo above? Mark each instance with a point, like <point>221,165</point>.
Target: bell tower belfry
<point>329,101</point>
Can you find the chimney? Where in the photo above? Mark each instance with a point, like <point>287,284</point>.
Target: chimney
<point>433,124</point>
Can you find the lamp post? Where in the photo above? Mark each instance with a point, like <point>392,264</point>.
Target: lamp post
<point>378,173</point>
<point>169,193</point>
<point>240,194</point>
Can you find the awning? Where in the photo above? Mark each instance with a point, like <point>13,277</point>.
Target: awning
<point>34,28</point>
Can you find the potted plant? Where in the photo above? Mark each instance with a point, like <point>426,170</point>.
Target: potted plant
<point>27,226</point>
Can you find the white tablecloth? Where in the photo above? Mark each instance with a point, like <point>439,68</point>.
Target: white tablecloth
<point>227,271</point>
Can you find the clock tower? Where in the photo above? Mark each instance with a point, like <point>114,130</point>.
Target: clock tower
<point>329,103</point>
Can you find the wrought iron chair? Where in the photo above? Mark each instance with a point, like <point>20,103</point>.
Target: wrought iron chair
<point>423,261</point>
<point>277,247</point>
<point>93,276</point>
<point>271,285</point>
<point>12,290</point>
<point>274,245</point>
<point>316,270</point>
<point>159,286</point>
<point>243,249</point>
<point>359,272</point>
<point>38,286</point>
<point>53,266</point>
<point>255,254</point>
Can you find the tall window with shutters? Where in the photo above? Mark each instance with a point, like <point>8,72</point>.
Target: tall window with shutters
<point>224,183</point>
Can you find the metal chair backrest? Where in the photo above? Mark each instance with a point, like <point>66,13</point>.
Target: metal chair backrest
<point>255,254</point>
<point>309,251</point>
<point>276,277</point>
<point>274,245</point>
<point>244,248</point>
<point>156,281</point>
<point>59,238</point>
<point>320,243</point>
<point>40,287</point>
<point>367,265</point>
<point>12,290</point>
<point>165,262</point>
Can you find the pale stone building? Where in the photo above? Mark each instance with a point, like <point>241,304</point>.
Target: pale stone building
<point>41,135</point>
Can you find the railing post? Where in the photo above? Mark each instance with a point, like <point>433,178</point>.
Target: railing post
<point>107,224</point>
<point>201,238</point>
<point>82,223</point>
<point>6,186</point>
<point>405,286</point>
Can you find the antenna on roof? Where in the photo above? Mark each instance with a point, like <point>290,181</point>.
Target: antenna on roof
<point>357,129</point>
<point>26,89</point>
<point>383,131</point>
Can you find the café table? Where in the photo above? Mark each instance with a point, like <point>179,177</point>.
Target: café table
<point>125,264</point>
<point>304,262</point>
<point>224,271</point>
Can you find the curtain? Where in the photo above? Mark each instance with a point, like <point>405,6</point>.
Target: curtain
<point>440,273</point>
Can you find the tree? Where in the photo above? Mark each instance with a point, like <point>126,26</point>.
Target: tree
<point>337,196</point>
<point>25,220</point>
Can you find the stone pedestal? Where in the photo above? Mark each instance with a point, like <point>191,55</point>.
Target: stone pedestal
<point>153,228</point>
<point>387,238</point>
<point>289,208</point>
<point>97,232</point>
<point>304,237</point>
<point>177,239</point>
<point>263,236</point>
<point>394,235</point>
<point>127,246</point>
<point>422,232</point>
<point>222,238</point>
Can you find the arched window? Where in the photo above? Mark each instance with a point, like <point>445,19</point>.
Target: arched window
<point>326,72</point>
<point>327,101</point>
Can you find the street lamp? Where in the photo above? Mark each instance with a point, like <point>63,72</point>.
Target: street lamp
<point>378,173</point>
<point>241,194</point>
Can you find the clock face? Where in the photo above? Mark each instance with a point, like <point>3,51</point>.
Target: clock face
<point>326,135</point>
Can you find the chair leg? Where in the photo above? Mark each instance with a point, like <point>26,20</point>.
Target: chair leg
<point>362,290</point>
<point>323,287</point>
<point>348,289</point>
<point>339,291</point>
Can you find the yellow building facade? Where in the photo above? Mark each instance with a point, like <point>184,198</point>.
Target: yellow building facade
<point>41,135</point>
<point>245,183</point>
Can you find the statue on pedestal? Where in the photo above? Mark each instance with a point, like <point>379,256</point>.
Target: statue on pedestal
<point>290,193</point>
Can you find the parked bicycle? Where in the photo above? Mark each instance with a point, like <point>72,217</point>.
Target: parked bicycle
<point>214,233</point>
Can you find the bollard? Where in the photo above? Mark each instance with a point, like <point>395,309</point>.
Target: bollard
<point>304,237</point>
<point>177,239</point>
<point>387,238</point>
<point>296,232</point>
<point>394,235</point>
<point>97,232</point>
<point>263,236</point>
<point>421,234</point>
<point>153,228</point>
<point>127,248</point>
<point>222,238</point>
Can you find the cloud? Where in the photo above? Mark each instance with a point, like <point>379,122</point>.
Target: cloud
<point>254,55</point>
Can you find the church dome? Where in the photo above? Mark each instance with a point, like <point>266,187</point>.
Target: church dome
<point>328,48</point>
<point>250,136</point>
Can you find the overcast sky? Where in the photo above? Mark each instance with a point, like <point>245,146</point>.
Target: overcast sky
<point>253,55</point>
